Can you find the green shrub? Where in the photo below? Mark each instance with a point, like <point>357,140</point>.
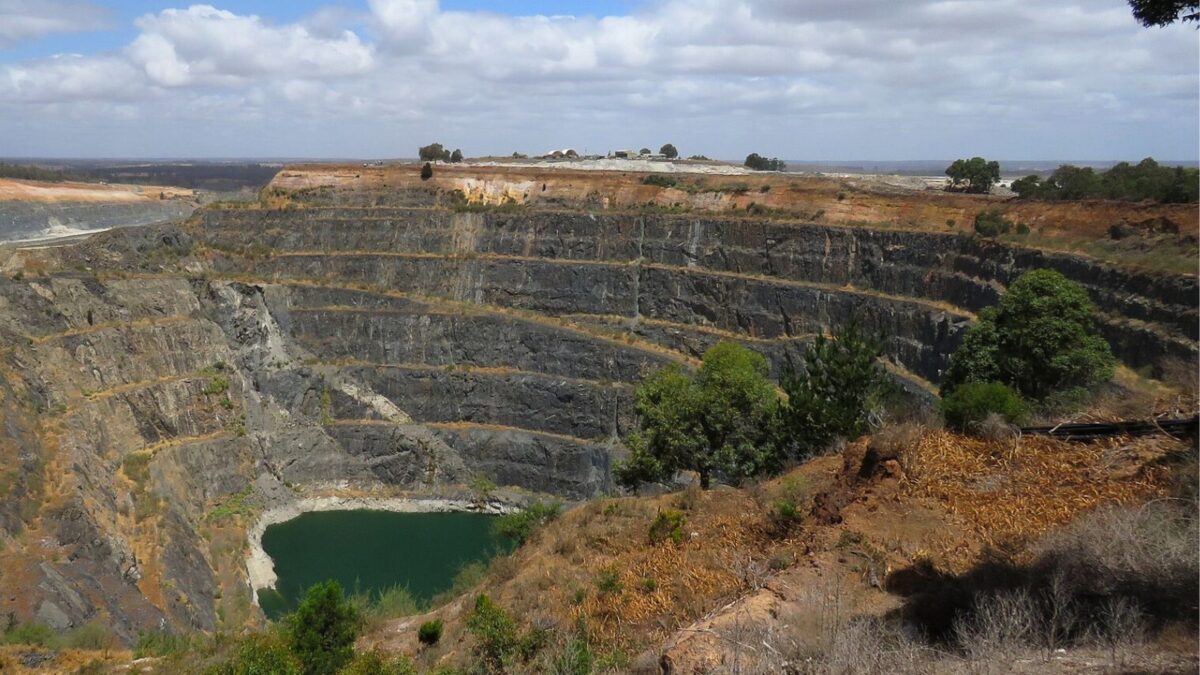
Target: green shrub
<point>375,663</point>
<point>668,524</point>
<point>970,404</point>
<point>521,525</point>
<point>388,603</point>
<point>608,581</point>
<point>322,630</point>
<point>496,639</point>
<point>482,487</point>
<point>263,653</point>
<point>1040,339</point>
<point>91,635</point>
<point>430,632</point>
<point>217,385</point>
<point>29,634</point>
<point>660,180</point>
<point>160,644</point>
<point>992,223</point>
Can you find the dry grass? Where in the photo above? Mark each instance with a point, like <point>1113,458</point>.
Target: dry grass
<point>1010,493</point>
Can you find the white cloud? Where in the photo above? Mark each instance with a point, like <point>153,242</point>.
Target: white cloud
<point>32,19</point>
<point>797,75</point>
<point>203,45</point>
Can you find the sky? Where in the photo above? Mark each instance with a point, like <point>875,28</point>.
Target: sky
<point>816,80</point>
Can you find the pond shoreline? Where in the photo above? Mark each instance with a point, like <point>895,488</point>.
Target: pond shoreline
<point>260,569</point>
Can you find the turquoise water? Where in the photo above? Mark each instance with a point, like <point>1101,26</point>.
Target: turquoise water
<point>370,551</point>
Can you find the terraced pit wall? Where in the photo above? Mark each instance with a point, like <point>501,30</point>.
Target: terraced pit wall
<point>199,375</point>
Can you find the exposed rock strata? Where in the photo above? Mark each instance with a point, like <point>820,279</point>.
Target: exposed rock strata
<point>263,356</point>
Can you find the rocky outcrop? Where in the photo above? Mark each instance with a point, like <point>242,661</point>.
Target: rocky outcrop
<point>23,221</point>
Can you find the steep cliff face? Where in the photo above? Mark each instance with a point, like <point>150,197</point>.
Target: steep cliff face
<point>162,385</point>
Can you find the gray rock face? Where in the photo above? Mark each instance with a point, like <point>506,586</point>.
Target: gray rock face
<point>1150,317</point>
<point>402,348</point>
<point>32,220</point>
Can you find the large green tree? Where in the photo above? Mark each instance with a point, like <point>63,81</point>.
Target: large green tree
<point>829,396</point>
<point>1041,338</point>
<point>322,630</point>
<point>718,421</point>
<point>976,175</point>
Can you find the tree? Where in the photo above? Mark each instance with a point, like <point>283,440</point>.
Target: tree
<point>716,422</point>
<point>1073,182</point>
<point>322,630</point>
<point>1164,12</point>
<point>1039,339</point>
<point>975,175</point>
<point>644,151</point>
<point>828,397</point>
<point>456,156</point>
<point>1027,187</point>
<point>427,171</point>
<point>668,151</point>
<point>759,163</point>
<point>433,152</point>
<point>1146,180</point>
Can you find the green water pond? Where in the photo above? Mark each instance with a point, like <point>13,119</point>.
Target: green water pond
<point>370,551</point>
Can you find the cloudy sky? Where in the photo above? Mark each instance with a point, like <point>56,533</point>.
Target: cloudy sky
<point>800,79</point>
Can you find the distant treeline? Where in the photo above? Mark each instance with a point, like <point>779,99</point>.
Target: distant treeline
<point>31,172</point>
<point>1144,181</point>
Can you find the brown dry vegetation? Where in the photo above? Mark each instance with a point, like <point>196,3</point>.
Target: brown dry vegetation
<point>915,496</point>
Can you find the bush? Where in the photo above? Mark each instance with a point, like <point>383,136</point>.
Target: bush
<point>668,524</point>
<point>789,507</point>
<point>1040,339</point>
<point>264,653</point>
<point>495,634</point>
<point>992,223</point>
<point>430,632</point>
<point>160,644</point>
<point>427,171</point>
<point>660,180</point>
<point>91,635</point>
<point>608,581</point>
<point>28,634</point>
<point>521,525</point>
<point>1147,553</point>
<point>322,630</point>
<point>829,397</point>
<point>969,405</point>
<point>375,663</point>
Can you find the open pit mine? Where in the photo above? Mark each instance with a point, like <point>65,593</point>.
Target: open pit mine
<point>358,335</point>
